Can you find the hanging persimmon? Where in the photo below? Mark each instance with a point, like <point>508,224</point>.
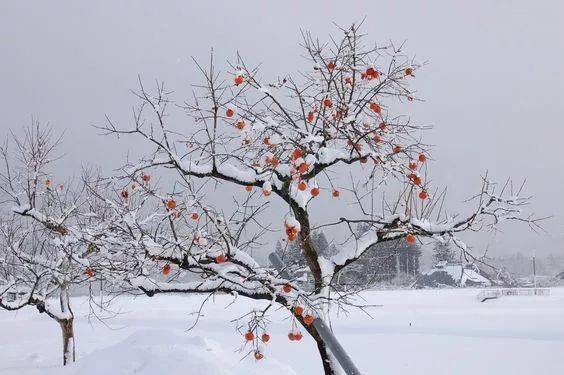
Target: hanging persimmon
<point>297,336</point>
<point>195,216</point>
<point>314,192</point>
<point>220,259</point>
<point>412,165</point>
<point>248,188</point>
<point>328,103</point>
<point>239,80</point>
<point>240,124</point>
<point>146,178</point>
<point>336,193</point>
<point>258,355</point>
<point>330,66</point>
<point>265,337</point>
<point>372,73</point>
<point>229,112</point>
<point>308,319</point>
<point>422,158</point>
<point>124,194</point>
<point>410,239</point>
<point>310,117</point>
<point>88,272</point>
<point>396,149</point>
<point>266,192</point>
<point>303,168</point>
<point>171,204</point>
<point>287,288</point>
<point>423,195</point>
<point>375,107</point>
<point>298,310</point>
<point>297,154</point>
<point>409,72</point>
<point>292,233</point>
<point>363,160</point>
<point>266,141</point>
<point>377,139</point>
<point>166,269</point>
<point>291,336</point>
<point>249,336</point>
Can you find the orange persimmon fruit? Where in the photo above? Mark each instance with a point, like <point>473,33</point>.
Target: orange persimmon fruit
<point>166,269</point>
<point>238,80</point>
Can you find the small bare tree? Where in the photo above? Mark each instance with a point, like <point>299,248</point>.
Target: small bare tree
<point>34,270</point>
<point>43,255</point>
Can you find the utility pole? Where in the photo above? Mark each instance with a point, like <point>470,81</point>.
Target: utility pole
<point>534,270</point>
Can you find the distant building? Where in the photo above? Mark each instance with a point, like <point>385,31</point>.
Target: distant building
<point>452,274</point>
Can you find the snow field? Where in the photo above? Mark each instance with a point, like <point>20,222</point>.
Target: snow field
<point>415,331</point>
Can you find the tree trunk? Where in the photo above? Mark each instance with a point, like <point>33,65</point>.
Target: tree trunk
<point>68,340</point>
<point>327,360</point>
<point>67,325</point>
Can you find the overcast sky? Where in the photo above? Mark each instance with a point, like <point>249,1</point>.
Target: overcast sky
<point>493,87</point>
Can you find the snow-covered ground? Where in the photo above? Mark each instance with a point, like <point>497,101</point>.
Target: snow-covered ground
<point>424,332</point>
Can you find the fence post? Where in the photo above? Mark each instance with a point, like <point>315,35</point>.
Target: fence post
<point>326,335</point>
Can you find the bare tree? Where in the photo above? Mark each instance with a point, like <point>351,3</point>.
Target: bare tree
<point>34,271</point>
<point>291,140</point>
<point>42,254</point>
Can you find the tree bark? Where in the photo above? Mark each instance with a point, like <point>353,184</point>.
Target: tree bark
<point>326,359</point>
<point>67,327</point>
<point>328,362</point>
<point>68,340</point>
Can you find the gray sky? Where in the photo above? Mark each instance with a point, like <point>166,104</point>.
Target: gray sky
<point>493,87</point>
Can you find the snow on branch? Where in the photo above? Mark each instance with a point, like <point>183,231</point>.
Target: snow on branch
<point>493,208</point>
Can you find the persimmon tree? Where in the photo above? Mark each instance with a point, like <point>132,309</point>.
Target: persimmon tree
<point>282,147</point>
<point>43,251</point>
<point>34,271</point>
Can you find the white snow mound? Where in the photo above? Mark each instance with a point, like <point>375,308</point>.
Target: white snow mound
<point>150,352</point>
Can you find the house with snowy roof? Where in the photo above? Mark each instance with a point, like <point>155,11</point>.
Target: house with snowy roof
<point>453,274</point>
